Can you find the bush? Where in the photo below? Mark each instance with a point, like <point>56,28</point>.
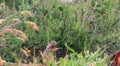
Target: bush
<point>82,26</point>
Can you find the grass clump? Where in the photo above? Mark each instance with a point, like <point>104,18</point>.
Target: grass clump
<point>83,26</point>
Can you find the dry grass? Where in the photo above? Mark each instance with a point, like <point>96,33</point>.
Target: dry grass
<point>33,25</point>
<point>27,13</point>
<point>19,32</point>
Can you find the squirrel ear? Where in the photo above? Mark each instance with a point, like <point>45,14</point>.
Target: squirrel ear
<point>53,42</point>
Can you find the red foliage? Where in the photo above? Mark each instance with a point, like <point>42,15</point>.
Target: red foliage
<point>116,59</point>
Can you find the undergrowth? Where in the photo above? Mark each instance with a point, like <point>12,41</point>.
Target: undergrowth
<point>83,26</point>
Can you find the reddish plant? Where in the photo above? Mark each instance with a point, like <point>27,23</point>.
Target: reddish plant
<point>116,59</point>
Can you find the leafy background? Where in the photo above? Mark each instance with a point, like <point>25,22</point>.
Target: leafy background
<point>84,26</point>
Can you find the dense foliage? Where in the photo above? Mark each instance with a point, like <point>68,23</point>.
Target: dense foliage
<point>82,26</point>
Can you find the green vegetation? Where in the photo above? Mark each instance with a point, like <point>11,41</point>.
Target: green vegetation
<point>84,26</point>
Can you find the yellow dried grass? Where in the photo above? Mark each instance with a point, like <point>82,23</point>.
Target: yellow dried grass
<point>27,13</point>
<point>21,39</point>
<point>19,32</point>
<point>33,25</point>
<point>26,52</point>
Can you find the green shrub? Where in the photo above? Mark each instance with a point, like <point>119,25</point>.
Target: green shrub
<point>82,26</point>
